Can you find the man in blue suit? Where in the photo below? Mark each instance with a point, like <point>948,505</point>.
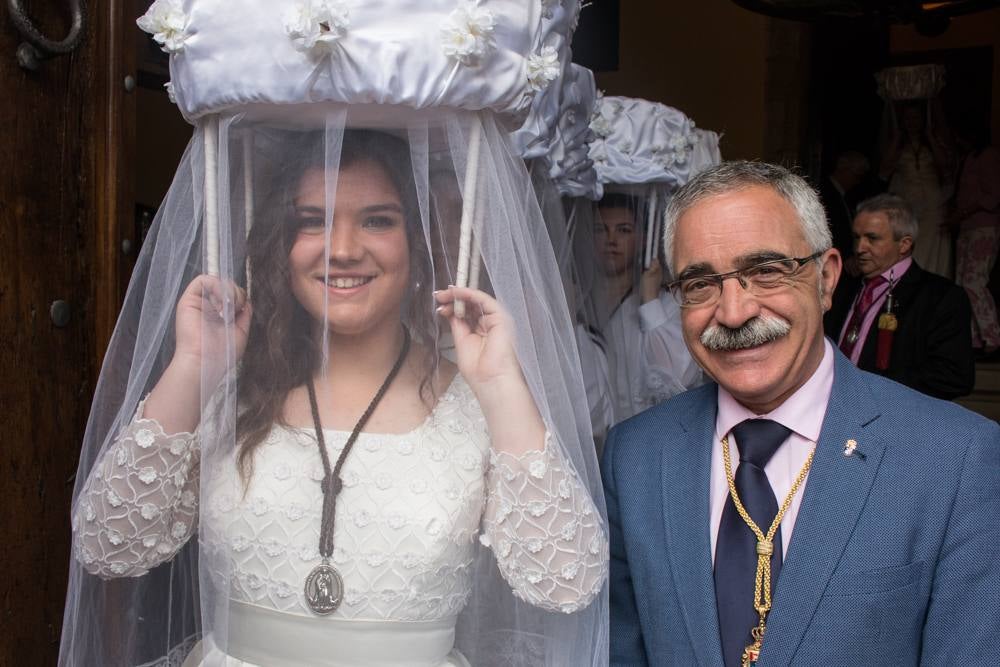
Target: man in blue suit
<point>867,530</point>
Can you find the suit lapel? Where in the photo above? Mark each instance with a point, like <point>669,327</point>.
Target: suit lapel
<point>835,494</point>
<point>686,466</point>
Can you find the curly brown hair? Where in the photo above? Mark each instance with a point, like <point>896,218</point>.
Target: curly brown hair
<point>282,352</point>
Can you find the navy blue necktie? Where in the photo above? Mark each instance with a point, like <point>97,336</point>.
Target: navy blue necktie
<point>736,546</point>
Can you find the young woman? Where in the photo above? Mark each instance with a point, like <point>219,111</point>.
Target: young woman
<point>367,472</point>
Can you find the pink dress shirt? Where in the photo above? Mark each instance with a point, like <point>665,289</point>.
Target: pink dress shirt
<point>803,414</point>
<point>896,272</point>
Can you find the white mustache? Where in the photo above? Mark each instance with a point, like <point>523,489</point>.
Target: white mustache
<point>753,332</point>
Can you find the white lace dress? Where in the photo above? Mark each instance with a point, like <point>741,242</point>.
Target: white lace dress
<point>412,510</point>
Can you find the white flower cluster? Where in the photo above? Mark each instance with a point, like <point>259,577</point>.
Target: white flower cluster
<point>678,148</point>
<point>543,68</point>
<point>467,35</point>
<point>600,125</point>
<point>167,23</point>
<point>315,27</point>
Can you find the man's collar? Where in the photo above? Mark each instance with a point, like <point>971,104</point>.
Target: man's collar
<point>798,412</point>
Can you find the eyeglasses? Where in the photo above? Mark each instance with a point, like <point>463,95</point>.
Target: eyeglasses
<point>758,279</point>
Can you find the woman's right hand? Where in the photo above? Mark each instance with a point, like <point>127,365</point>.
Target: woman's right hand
<point>211,315</point>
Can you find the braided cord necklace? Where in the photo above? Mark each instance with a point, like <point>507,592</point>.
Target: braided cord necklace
<point>324,588</point>
<point>765,547</point>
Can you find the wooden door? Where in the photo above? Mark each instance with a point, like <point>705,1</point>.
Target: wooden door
<point>66,133</point>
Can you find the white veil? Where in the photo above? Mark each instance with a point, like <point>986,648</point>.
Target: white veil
<point>643,151</point>
<point>428,91</point>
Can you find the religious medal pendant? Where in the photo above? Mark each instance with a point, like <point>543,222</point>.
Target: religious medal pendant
<point>852,335</point>
<point>752,651</point>
<point>750,655</point>
<point>324,589</point>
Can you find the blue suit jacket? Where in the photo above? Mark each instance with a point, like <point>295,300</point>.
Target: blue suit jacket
<point>895,557</point>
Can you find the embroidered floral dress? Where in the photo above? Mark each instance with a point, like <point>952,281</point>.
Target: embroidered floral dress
<point>410,519</point>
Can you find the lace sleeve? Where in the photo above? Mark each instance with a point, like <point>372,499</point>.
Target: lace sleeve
<point>544,530</point>
<point>140,503</point>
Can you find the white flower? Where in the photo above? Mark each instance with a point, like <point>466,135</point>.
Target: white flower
<point>534,544</point>
<point>533,576</point>
<point>468,462</point>
<point>115,538</point>
<point>295,511</point>
<point>188,499</point>
<point>179,530</point>
<point>147,475</point>
<point>395,520</point>
<point>543,68</point>
<point>383,481</point>
<point>316,27</point>
<point>564,488</point>
<point>144,438</point>
<point>569,530</point>
<point>150,541</point>
<point>485,540</point>
<point>600,126</point>
<point>504,548</point>
<point>273,548</point>
<point>121,456</point>
<point>167,23</point>
<point>569,571</point>
<point>259,506</point>
<point>240,543</point>
<point>149,511</point>
<point>537,508</point>
<point>410,560</point>
<point>118,568</point>
<point>283,590</point>
<point>88,512</point>
<point>537,468</point>
<point>375,559</point>
<point>467,35</point>
<point>362,518</point>
<point>418,486</point>
<point>178,446</point>
<point>113,499</point>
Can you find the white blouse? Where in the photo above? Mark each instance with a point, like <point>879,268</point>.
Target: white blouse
<point>412,509</point>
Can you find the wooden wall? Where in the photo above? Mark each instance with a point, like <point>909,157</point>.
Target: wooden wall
<point>59,219</point>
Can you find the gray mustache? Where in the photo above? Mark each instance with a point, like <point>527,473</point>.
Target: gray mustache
<point>751,333</point>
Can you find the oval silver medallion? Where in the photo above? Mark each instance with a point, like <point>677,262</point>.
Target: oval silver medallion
<point>324,589</point>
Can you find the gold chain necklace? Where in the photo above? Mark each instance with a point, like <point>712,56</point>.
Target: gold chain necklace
<point>765,547</point>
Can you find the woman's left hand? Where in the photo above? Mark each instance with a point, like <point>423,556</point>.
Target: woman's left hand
<point>484,339</point>
<point>484,345</point>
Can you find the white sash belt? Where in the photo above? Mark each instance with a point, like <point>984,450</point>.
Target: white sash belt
<point>262,636</point>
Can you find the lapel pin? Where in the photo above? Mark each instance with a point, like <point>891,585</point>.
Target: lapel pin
<point>851,448</point>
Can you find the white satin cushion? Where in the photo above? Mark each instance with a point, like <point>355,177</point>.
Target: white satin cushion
<point>392,52</point>
<point>570,166</point>
<point>638,141</point>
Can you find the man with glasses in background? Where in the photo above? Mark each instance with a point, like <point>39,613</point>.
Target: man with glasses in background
<point>892,495</point>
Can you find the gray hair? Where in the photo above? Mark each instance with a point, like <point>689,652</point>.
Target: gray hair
<point>898,210</point>
<point>740,175</point>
